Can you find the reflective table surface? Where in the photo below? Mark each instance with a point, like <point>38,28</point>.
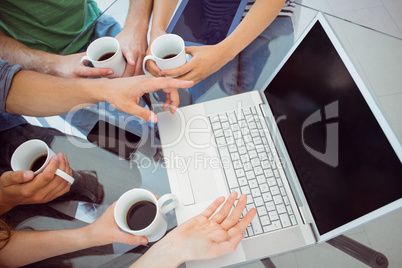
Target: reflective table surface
<point>376,56</point>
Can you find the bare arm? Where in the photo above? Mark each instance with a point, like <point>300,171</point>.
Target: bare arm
<point>26,247</point>
<point>15,52</point>
<point>133,37</point>
<point>209,59</point>
<point>50,95</point>
<point>259,17</point>
<point>163,12</point>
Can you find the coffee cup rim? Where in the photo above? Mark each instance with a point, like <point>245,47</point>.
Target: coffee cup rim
<point>164,36</point>
<point>154,201</point>
<point>21,147</point>
<point>99,40</point>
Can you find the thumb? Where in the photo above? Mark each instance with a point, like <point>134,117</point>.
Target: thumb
<point>16,177</point>
<point>189,50</point>
<point>144,114</point>
<point>135,240</point>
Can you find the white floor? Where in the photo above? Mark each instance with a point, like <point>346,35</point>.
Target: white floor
<point>383,234</point>
<point>382,15</point>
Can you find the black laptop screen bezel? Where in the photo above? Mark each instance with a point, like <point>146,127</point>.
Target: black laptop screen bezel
<point>368,173</point>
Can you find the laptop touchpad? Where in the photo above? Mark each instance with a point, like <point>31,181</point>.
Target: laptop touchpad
<point>203,184</point>
<point>197,184</point>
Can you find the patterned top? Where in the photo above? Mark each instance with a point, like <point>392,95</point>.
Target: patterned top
<point>287,10</point>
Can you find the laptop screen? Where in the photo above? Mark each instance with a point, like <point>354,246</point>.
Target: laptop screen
<point>206,22</point>
<point>344,162</point>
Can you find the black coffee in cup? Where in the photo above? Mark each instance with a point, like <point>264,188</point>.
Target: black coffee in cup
<point>140,215</point>
<point>38,162</point>
<point>169,56</point>
<point>106,56</point>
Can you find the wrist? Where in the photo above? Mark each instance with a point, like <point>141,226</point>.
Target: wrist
<point>99,89</point>
<point>226,51</point>
<point>162,254</point>
<point>89,237</point>
<point>156,32</point>
<point>54,65</point>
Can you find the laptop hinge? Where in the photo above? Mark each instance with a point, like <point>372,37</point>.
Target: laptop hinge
<point>303,214</point>
<point>263,110</point>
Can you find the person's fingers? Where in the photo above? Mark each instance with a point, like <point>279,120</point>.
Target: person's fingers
<point>172,100</point>
<point>236,213</point>
<point>10,178</point>
<point>130,69</point>
<point>62,162</point>
<point>56,186</point>
<point>130,239</point>
<point>221,215</point>
<point>84,71</point>
<point>47,175</point>
<point>142,113</point>
<point>241,226</point>
<point>167,83</point>
<point>190,50</point>
<point>166,104</point>
<point>138,66</point>
<point>68,169</point>
<point>152,68</point>
<point>177,72</point>
<point>43,187</point>
<point>210,210</point>
<point>53,190</point>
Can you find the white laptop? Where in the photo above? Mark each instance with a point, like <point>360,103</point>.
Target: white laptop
<point>311,150</point>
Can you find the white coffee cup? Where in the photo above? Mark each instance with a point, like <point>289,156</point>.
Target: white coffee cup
<point>167,45</point>
<point>27,153</point>
<point>158,227</point>
<point>109,48</point>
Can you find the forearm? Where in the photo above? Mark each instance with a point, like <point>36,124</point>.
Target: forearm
<point>50,95</point>
<point>27,247</point>
<point>138,16</point>
<point>259,17</point>
<point>162,254</point>
<point>15,52</point>
<point>162,13</point>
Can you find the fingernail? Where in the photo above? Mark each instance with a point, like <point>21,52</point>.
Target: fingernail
<point>28,175</point>
<point>110,72</point>
<point>152,118</point>
<point>143,241</point>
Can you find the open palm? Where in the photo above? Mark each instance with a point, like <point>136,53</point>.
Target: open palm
<point>210,235</point>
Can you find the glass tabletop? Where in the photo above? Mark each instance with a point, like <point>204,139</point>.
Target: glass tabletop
<point>376,56</point>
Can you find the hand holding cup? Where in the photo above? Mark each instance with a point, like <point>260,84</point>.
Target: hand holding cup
<point>105,52</point>
<point>140,213</point>
<point>167,51</point>
<point>35,155</point>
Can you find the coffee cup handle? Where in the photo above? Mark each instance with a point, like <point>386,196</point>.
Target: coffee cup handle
<point>165,209</point>
<point>144,65</point>
<point>85,58</point>
<point>65,176</point>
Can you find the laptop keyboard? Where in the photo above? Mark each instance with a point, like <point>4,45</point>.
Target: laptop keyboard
<point>244,143</point>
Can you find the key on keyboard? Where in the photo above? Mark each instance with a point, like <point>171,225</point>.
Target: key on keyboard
<point>242,137</point>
